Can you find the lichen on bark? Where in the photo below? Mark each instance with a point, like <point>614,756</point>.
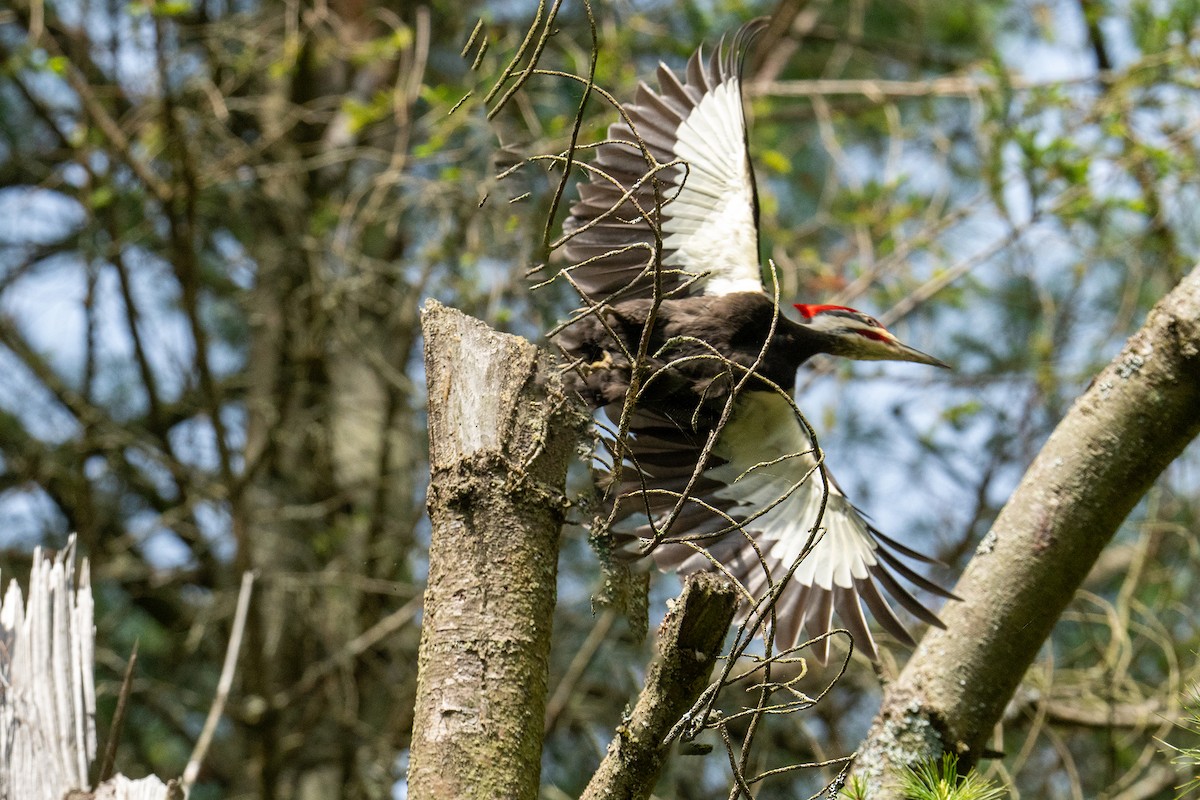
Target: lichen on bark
<point>1138,415</point>
<point>502,431</point>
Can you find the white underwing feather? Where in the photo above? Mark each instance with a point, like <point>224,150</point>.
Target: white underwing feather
<point>708,220</point>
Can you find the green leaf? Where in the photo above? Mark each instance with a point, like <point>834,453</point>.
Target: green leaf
<point>363,114</point>
<point>960,414</point>
<point>100,197</point>
<point>160,8</point>
<point>172,8</point>
<point>775,161</point>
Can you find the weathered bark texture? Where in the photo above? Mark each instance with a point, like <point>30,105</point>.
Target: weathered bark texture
<point>689,643</point>
<point>501,432</point>
<point>48,703</point>
<point>1135,418</point>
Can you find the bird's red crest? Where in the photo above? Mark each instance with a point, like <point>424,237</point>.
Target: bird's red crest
<point>808,312</point>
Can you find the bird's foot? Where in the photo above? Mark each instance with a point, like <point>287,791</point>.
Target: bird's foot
<point>604,362</point>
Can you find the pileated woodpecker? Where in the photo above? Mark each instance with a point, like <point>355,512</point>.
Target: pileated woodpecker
<point>720,366</point>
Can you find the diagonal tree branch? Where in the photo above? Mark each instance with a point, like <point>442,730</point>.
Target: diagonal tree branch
<point>1134,420</point>
<point>689,644</point>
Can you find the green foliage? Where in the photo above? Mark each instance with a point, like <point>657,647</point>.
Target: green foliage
<point>939,780</point>
<point>385,47</point>
<point>362,114</point>
<point>160,8</point>
<point>961,414</point>
<point>28,57</point>
<point>1187,756</point>
<point>325,202</point>
<point>855,789</point>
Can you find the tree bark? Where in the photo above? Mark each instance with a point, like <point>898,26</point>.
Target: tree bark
<point>502,432</point>
<point>1135,419</point>
<point>689,644</point>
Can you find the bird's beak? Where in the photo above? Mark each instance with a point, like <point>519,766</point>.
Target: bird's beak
<point>903,352</point>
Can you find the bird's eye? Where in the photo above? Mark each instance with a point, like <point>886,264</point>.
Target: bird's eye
<point>874,323</point>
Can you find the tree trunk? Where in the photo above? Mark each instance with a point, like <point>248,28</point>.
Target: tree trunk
<point>501,432</point>
<point>1134,420</point>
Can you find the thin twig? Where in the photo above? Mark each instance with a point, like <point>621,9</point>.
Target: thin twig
<point>579,664</point>
<point>114,730</point>
<point>878,90</point>
<point>356,646</point>
<point>223,684</point>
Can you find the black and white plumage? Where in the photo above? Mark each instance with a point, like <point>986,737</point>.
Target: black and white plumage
<point>719,355</point>
<point>702,194</point>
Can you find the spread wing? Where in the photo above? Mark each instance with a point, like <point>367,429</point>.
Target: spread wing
<point>756,478</point>
<point>705,204</point>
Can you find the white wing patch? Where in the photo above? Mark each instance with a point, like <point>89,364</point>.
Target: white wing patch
<point>768,482</point>
<point>764,429</point>
<point>709,223</point>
